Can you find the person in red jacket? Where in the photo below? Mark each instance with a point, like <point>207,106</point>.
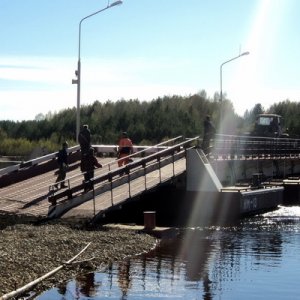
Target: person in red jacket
<point>124,150</point>
<point>88,164</point>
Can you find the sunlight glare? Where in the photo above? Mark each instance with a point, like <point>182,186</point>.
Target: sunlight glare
<point>262,42</point>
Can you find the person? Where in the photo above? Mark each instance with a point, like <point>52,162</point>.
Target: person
<point>209,131</point>
<point>62,159</point>
<point>84,139</point>
<point>125,148</point>
<point>88,164</point>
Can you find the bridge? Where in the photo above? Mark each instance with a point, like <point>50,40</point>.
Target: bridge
<point>28,188</point>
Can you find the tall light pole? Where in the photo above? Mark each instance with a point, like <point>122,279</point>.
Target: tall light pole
<point>78,71</point>
<point>221,92</point>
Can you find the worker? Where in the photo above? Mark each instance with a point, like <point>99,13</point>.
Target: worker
<point>84,139</point>
<point>125,148</point>
<point>209,131</point>
<point>62,160</point>
<point>88,164</point>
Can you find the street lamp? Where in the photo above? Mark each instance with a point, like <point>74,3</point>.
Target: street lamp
<point>221,92</point>
<point>78,71</point>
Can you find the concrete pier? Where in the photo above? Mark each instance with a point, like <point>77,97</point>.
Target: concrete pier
<point>225,202</point>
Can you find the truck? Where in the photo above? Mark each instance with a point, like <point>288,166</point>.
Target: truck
<point>269,125</point>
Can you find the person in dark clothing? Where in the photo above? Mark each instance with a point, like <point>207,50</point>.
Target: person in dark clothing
<point>62,159</point>
<point>209,131</point>
<point>84,139</point>
<point>88,163</point>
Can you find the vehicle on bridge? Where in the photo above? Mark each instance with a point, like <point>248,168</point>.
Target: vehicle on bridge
<point>269,125</point>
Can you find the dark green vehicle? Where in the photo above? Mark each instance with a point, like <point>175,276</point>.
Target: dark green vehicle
<point>269,125</point>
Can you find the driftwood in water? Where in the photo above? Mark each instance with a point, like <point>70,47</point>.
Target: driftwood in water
<point>31,284</point>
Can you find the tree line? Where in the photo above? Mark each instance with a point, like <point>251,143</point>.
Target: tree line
<point>146,122</point>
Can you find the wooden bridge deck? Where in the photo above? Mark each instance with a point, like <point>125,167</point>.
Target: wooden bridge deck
<point>30,196</point>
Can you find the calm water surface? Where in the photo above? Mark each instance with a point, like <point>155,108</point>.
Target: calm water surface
<point>257,259</point>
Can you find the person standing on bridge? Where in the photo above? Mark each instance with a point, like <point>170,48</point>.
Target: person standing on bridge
<point>84,139</point>
<point>124,150</point>
<point>62,159</point>
<point>88,164</point>
<point>209,131</point>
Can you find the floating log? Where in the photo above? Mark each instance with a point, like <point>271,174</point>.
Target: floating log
<point>31,284</point>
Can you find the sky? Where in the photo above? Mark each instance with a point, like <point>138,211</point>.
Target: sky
<point>146,49</point>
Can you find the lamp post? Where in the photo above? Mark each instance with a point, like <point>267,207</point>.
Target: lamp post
<point>78,71</point>
<point>221,92</point>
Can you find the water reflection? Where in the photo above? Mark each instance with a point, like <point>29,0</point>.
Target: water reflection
<point>256,259</point>
<point>86,284</point>
<point>124,279</point>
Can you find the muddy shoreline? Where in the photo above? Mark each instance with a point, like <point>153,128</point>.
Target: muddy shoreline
<point>28,251</point>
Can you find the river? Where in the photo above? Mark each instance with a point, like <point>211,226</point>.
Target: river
<point>258,258</point>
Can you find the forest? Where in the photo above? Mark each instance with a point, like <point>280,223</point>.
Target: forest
<point>146,122</point>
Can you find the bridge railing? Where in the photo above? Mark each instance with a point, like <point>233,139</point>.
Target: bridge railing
<point>138,168</point>
<point>113,167</point>
<point>232,146</point>
<point>34,162</point>
<point>35,167</point>
<point>146,165</point>
<point>114,163</point>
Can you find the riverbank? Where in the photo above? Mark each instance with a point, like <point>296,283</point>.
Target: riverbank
<point>29,251</point>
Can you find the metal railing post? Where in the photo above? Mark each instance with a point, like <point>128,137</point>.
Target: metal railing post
<point>129,186</point>
<point>159,165</point>
<point>94,201</point>
<point>145,173</point>
<point>111,191</point>
<point>173,156</point>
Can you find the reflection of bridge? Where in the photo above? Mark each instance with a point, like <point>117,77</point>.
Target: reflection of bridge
<point>26,188</point>
<point>197,264</point>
